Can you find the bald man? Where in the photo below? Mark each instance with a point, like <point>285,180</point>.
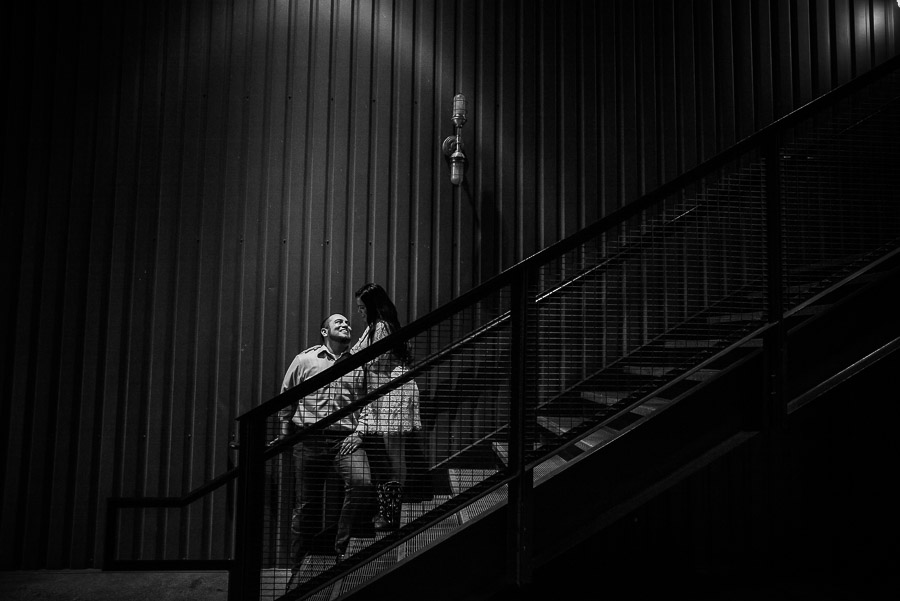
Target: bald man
<point>320,454</point>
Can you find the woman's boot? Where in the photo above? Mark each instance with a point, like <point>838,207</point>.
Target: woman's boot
<point>394,496</point>
<point>381,520</point>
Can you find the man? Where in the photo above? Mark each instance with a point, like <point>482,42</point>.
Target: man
<point>335,448</point>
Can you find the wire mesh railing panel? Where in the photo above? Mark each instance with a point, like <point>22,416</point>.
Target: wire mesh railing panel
<point>839,187</point>
<point>624,315</point>
<point>331,525</point>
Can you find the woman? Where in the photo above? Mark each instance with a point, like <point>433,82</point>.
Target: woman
<point>392,415</point>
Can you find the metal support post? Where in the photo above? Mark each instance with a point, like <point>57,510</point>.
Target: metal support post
<point>519,526</point>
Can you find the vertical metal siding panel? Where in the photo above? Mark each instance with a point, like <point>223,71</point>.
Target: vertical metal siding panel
<point>824,40</point>
<point>705,78</point>
<point>231,340</point>
<point>46,227</point>
<point>325,143</point>
<point>629,105</point>
<point>121,248</point>
<point>139,333</point>
<point>483,144</point>
<point>52,395</point>
<point>568,163</point>
<point>153,291</point>
<point>190,413</point>
<point>248,117</point>
<point>608,107</point>
<point>782,58</point>
<point>213,424</point>
<point>277,140</point>
<point>21,373</point>
<point>256,192</point>
<point>862,36</point>
<point>803,43</point>
<point>398,202</point>
<point>744,68</point>
<point>426,155</point>
<point>170,265</point>
<point>19,56</point>
<point>843,41</point>
<point>338,245</point>
<point>443,235</point>
<point>70,465</point>
<point>361,110</point>
<point>723,57</point>
<point>87,507</point>
<point>763,73</point>
<point>647,101</point>
<point>881,15</point>
<point>686,74</point>
<point>465,79</point>
<point>380,140</point>
<point>528,121</point>
<point>509,136</point>
<point>300,314</point>
<point>589,70</point>
<point>669,132</point>
<point>545,215</point>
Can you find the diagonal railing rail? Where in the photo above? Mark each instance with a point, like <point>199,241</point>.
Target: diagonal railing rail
<point>584,340</point>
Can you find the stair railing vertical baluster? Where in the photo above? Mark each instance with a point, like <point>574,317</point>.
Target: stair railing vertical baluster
<point>520,497</point>
<point>244,582</point>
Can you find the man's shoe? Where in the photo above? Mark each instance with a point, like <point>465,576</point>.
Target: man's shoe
<point>294,580</point>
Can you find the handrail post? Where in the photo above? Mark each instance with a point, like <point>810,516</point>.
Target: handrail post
<point>519,522</point>
<point>774,408</point>
<point>244,580</point>
<point>772,416</point>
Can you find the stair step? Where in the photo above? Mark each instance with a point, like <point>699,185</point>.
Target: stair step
<point>462,479</point>
<point>701,375</point>
<point>624,420</point>
<point>547,467</point>
<point>597,438</point>
<point>560,426</point>
<point>647,370</point>
<point>679,343</point>
<point>734,317</point>
<point>502,451</point>
<point>651,405</point>
<point>605,397</point>
<point>812,309</point>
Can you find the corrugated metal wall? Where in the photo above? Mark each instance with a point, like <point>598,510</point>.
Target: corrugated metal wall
<point>190,186</point>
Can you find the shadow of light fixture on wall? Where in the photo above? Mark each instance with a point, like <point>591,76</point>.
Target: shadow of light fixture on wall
<point>453,147</point>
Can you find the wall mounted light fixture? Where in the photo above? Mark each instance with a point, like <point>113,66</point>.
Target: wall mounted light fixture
<point>453,146</point>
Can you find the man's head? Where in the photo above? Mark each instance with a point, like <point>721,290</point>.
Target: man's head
<point>336,332</point>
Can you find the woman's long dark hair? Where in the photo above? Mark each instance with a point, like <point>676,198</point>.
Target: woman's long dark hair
<point>379,307</point>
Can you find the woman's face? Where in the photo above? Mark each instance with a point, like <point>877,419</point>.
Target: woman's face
<point>361,307</point>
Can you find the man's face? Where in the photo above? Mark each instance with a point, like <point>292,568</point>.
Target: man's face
<point>337,329</point>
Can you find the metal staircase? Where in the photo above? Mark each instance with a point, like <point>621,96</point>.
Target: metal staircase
<point>612,349</point>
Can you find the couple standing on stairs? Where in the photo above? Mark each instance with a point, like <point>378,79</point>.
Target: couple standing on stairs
<point>380,426</point>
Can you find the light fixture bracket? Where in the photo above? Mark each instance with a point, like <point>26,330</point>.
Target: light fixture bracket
<point>451,144</point>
